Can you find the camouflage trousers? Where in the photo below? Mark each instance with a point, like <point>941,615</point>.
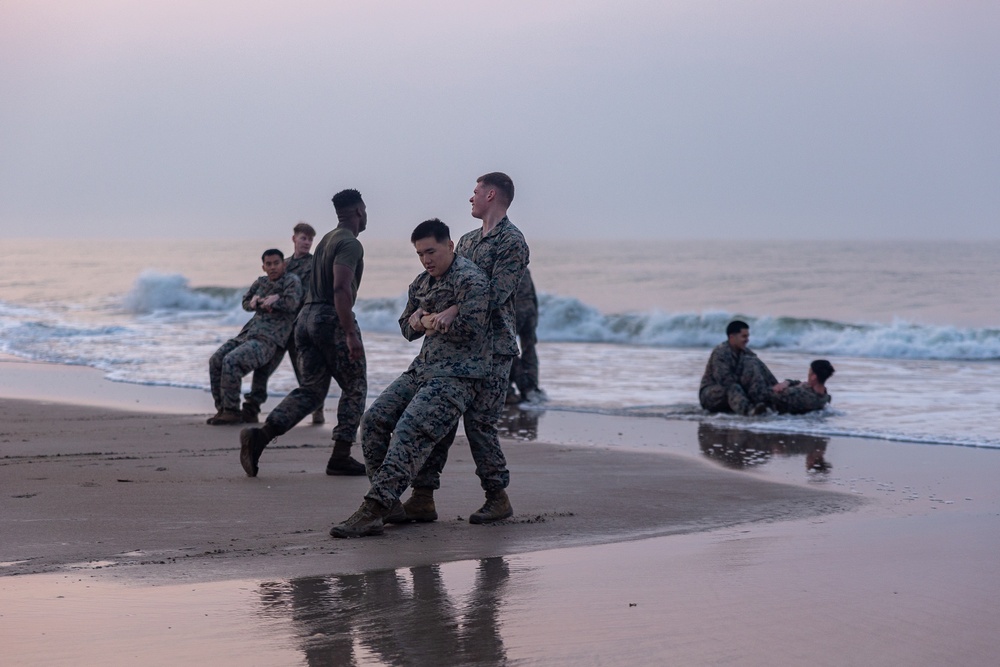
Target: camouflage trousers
<point>524,368</point>
<point>258,384</point>
<point>798,399</point>
<point>233,360</point>
<point>402,426</point>
<point>322,355</point>
<point>480,420</point>
<point>756,381</point>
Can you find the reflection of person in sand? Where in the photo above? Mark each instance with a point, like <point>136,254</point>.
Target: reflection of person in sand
<point>519,424</point>
<point>736,448</point>
<point>377,614</point>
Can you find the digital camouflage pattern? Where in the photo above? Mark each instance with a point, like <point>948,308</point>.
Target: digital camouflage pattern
<point>321,343</point>
<point>524,369</point>
<point>302,267</point>
<point>274,324</point>
<point>503,255</point>
<point>230,363</point>
<point>423,405</point>
<point>480,419</point>
<point>466,349</point>
<point>257,341</point>
<point>322,355</point>
<point>734,381</point>
<point>402,426</point>
<point>797,399</point>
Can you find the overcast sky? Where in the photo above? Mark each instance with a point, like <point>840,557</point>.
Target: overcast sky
<point>666,119</point>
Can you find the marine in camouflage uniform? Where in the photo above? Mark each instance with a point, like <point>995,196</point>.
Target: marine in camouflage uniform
<point>329,345</point>
<point>322,346</point>
<point>254,346</point>
<point>794,397</point>
<point>302,267</point>
<point>734,381</point>
<point>424,404</point>
<point>524,368</point>
<point>797,399</point>
<point>503,255</point>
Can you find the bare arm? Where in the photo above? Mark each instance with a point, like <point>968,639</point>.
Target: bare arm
<point>343,303</point>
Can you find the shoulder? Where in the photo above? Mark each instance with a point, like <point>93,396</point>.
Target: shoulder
<point>467,270</point>
<point>469,238</point>
<point>341,244</point>
<point>509,235</point>
<point>420,282</point>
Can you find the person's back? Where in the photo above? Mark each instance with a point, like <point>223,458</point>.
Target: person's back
<point>329,345</point>
<point>502,254</point>
<point>339,246</point>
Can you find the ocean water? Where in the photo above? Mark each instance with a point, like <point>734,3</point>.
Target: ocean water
<point>913,329</point>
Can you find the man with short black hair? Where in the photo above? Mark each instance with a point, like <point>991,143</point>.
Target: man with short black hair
<point>421,406</point>
<point>499,249</point>
<point>273,299</point>
<point>300,263</point>
<point>797,398</point>
<point>329,345</point>
<point>721,387</point>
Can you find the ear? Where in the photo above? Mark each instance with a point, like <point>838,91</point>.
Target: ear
<point>451,246</point>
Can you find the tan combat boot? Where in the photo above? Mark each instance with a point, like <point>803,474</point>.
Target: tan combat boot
<point>366,521</point>
<point>420,506</point>
<point>496,508</point>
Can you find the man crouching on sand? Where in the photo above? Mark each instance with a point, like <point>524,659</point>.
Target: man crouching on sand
<point>274,300</point>
<point>417,410</point>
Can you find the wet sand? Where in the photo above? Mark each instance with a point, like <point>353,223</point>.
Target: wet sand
<point>641,541</point>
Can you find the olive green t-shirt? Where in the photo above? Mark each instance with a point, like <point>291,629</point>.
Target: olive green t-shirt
<point>342,247</point>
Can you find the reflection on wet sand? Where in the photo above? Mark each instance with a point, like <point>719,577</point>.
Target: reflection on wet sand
<point>519,424</point>
<point>398,617</point>
<point>736,448</point>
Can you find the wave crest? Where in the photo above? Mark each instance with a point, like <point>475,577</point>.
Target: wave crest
<point>157,292</point>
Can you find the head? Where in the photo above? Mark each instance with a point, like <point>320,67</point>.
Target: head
<point>302,238</point>
<point>436,250</point>
<point>821,369</point>
<point>274,263</point>
<point>738,333</point>
<point>493,191</point>
<point>351,212</point>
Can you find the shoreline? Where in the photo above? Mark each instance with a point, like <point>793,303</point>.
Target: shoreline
<point>114,510</point>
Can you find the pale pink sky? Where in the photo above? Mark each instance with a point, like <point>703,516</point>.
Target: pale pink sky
<point>747,118</point>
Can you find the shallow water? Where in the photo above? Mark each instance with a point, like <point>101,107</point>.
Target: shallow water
<point>912,329</point>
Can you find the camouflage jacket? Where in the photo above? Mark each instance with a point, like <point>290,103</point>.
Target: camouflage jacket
<point>798,398</point>
<point>276,324</point>
<point>503,256</point>
<point>303,268</point>
<point>525,299</point>
<point>725,366</point>
<point>465,351</point>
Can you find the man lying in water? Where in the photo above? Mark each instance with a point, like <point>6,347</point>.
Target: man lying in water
<point>796,398</point>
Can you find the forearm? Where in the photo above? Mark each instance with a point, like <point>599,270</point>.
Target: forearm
<point>342,303</point>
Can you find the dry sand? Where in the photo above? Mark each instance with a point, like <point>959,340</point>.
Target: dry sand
<point>630,545</point>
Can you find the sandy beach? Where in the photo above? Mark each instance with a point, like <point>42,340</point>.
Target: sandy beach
<point>132,536</point>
